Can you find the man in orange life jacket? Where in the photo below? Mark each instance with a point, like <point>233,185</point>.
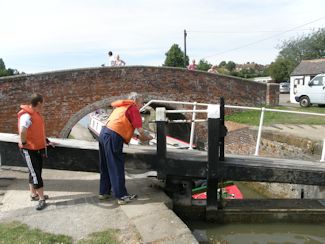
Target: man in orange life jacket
<point>32,145</point>
<point>119,129</point>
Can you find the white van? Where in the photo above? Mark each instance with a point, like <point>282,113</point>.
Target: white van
<point>313,93</point>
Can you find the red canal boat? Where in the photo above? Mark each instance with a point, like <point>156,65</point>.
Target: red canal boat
<point>229,191</point>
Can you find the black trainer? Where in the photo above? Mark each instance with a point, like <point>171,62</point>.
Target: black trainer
<point>123,200</point>
<point>126,199</point>
<point>104,196</point>
<point>132,196</point>
<point>41,205</point>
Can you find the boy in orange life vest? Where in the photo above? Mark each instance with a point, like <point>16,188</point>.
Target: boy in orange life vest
<point>33,146</point>
<point>119,129</point>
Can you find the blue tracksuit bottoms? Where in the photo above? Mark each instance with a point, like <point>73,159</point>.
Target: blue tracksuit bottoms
<point>111,160</point>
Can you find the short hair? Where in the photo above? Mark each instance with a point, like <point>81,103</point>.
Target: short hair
<point>110,53</point>
<point>35,99</point>
<point>135,96</point>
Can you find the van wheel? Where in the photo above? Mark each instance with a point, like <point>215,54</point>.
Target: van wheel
<point>304,102</point>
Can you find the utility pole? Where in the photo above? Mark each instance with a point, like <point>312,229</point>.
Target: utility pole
<point>185,34</point>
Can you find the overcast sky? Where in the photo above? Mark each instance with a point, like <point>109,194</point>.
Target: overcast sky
<point>44,35</point>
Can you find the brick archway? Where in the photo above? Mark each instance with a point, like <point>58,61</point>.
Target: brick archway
<point>71,94</point>
<point>75,118</point>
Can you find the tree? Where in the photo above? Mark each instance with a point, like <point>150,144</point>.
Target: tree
<point>279,70</point>
<point>230,66</point>
<point>2,64</point>
<point>203,65</point>
<point>6,72</point>
<point>3,72</point>
<point>247,73</point>
<point>266,71</point>
<point>292,52</point>
<point>175,57</point>
<point>12,71</point>
<point>306,47</point>
<point>223,70</point>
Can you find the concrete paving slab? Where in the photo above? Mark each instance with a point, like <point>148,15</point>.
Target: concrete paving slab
<point>161,227</point>
<point>137,209</point>
<point>182,239</point>
<point>74,209</point>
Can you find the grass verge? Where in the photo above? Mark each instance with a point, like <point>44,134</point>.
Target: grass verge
<point>252,117</point>
<point>104,237</point>
<point>18,233</point>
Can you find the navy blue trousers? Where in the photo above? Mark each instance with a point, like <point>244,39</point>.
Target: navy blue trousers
<point>111,160</point>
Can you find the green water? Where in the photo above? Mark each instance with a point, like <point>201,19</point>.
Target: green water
<point>206,232</point>
<point>258,233</point>
<point>248,193</point>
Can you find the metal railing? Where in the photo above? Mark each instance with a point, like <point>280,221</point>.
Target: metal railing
<point>259,134</point>
<point>194,111</point>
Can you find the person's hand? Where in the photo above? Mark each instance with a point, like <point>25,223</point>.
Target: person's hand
<point>20,144</point>
<point>145,137</point>
<point>52,144</point>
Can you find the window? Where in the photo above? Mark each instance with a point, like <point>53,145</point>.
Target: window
<point>299,81</point>
<point>317,81</point>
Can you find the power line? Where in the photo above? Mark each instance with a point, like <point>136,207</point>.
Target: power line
<point>242,32</point>
<point>264,39</point>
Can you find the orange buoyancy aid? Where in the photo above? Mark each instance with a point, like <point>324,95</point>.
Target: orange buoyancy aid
<point>35,138</point>
<point>118,122</point>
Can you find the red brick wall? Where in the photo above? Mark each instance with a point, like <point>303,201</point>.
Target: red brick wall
<point>71,94</point>
<point>272,94</point>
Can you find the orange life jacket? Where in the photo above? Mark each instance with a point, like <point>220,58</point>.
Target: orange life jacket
<point>35,139</point>
<point>118,121</point>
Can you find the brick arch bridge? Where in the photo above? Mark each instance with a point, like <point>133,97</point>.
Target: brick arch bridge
<point>71,94</point>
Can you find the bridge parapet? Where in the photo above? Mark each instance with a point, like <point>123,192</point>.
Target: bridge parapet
<point>71,94</point>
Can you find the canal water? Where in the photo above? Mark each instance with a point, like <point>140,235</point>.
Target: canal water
<point>206,232</point>
<point>258,233</point>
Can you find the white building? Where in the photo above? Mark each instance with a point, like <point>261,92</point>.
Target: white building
<point>264,79</point>
<point>303,73</point>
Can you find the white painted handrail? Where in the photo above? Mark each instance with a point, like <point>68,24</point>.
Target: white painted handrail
<point>192,127</point>
<point>259,134</point>
<point>195,110</point>
<point>292,112</point>
<point>185,111</point>
<point>323,152</point>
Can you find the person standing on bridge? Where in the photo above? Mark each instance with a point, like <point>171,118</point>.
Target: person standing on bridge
<point>213,69</point>
<point>192,66</point>
<point>119,61</point>
<point>32,143</point>
<point>122,123</point>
